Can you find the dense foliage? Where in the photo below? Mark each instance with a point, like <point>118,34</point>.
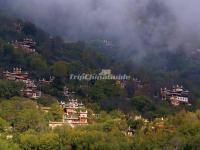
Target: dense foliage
<point>9,89</point>
<point>25,126</point>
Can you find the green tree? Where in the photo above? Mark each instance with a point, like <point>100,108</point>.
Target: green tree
<point>37,63</point>
<point>29,140</point>
<point>29,29</point>
<point>35,140</point>
<point>9,88</point>
<point>30,119</point>
<point>47,100</point>
<point>8,50</point>
<point>3,124</point>
<point>23,114</point>
<point>56,112</point>
<point>60,69</point>
<point>5,145</point>
<point>144,105</point>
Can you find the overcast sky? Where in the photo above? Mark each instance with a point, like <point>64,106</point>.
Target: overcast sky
<point>136,24</point>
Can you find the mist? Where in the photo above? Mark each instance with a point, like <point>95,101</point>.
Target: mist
<point>137,26</point>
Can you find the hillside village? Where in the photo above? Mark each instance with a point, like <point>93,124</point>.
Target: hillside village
<point>75,114</point>
<point>41,108</point>
<point>30,90</point>
<point>176,96</point>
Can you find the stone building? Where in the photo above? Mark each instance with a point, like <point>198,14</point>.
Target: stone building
<point>27,45</point>
<point>16,75</point>
<point>30,91</point>
<point>176,96</point>
<point>45,81</point>
<point>74,114</point>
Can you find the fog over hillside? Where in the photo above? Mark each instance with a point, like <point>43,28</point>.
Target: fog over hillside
<point>137,25</point>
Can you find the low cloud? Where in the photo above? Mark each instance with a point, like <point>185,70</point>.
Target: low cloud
<point>138,26</point>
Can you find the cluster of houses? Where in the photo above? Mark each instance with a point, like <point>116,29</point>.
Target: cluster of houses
<point>74,114</point>
<point>176,96</point>
<point>30,90</point>
<point>44,81</point>
<point>27,45</point>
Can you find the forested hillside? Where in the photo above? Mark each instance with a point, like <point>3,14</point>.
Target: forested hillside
<point>54,57</point>
<point>130,116</point>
